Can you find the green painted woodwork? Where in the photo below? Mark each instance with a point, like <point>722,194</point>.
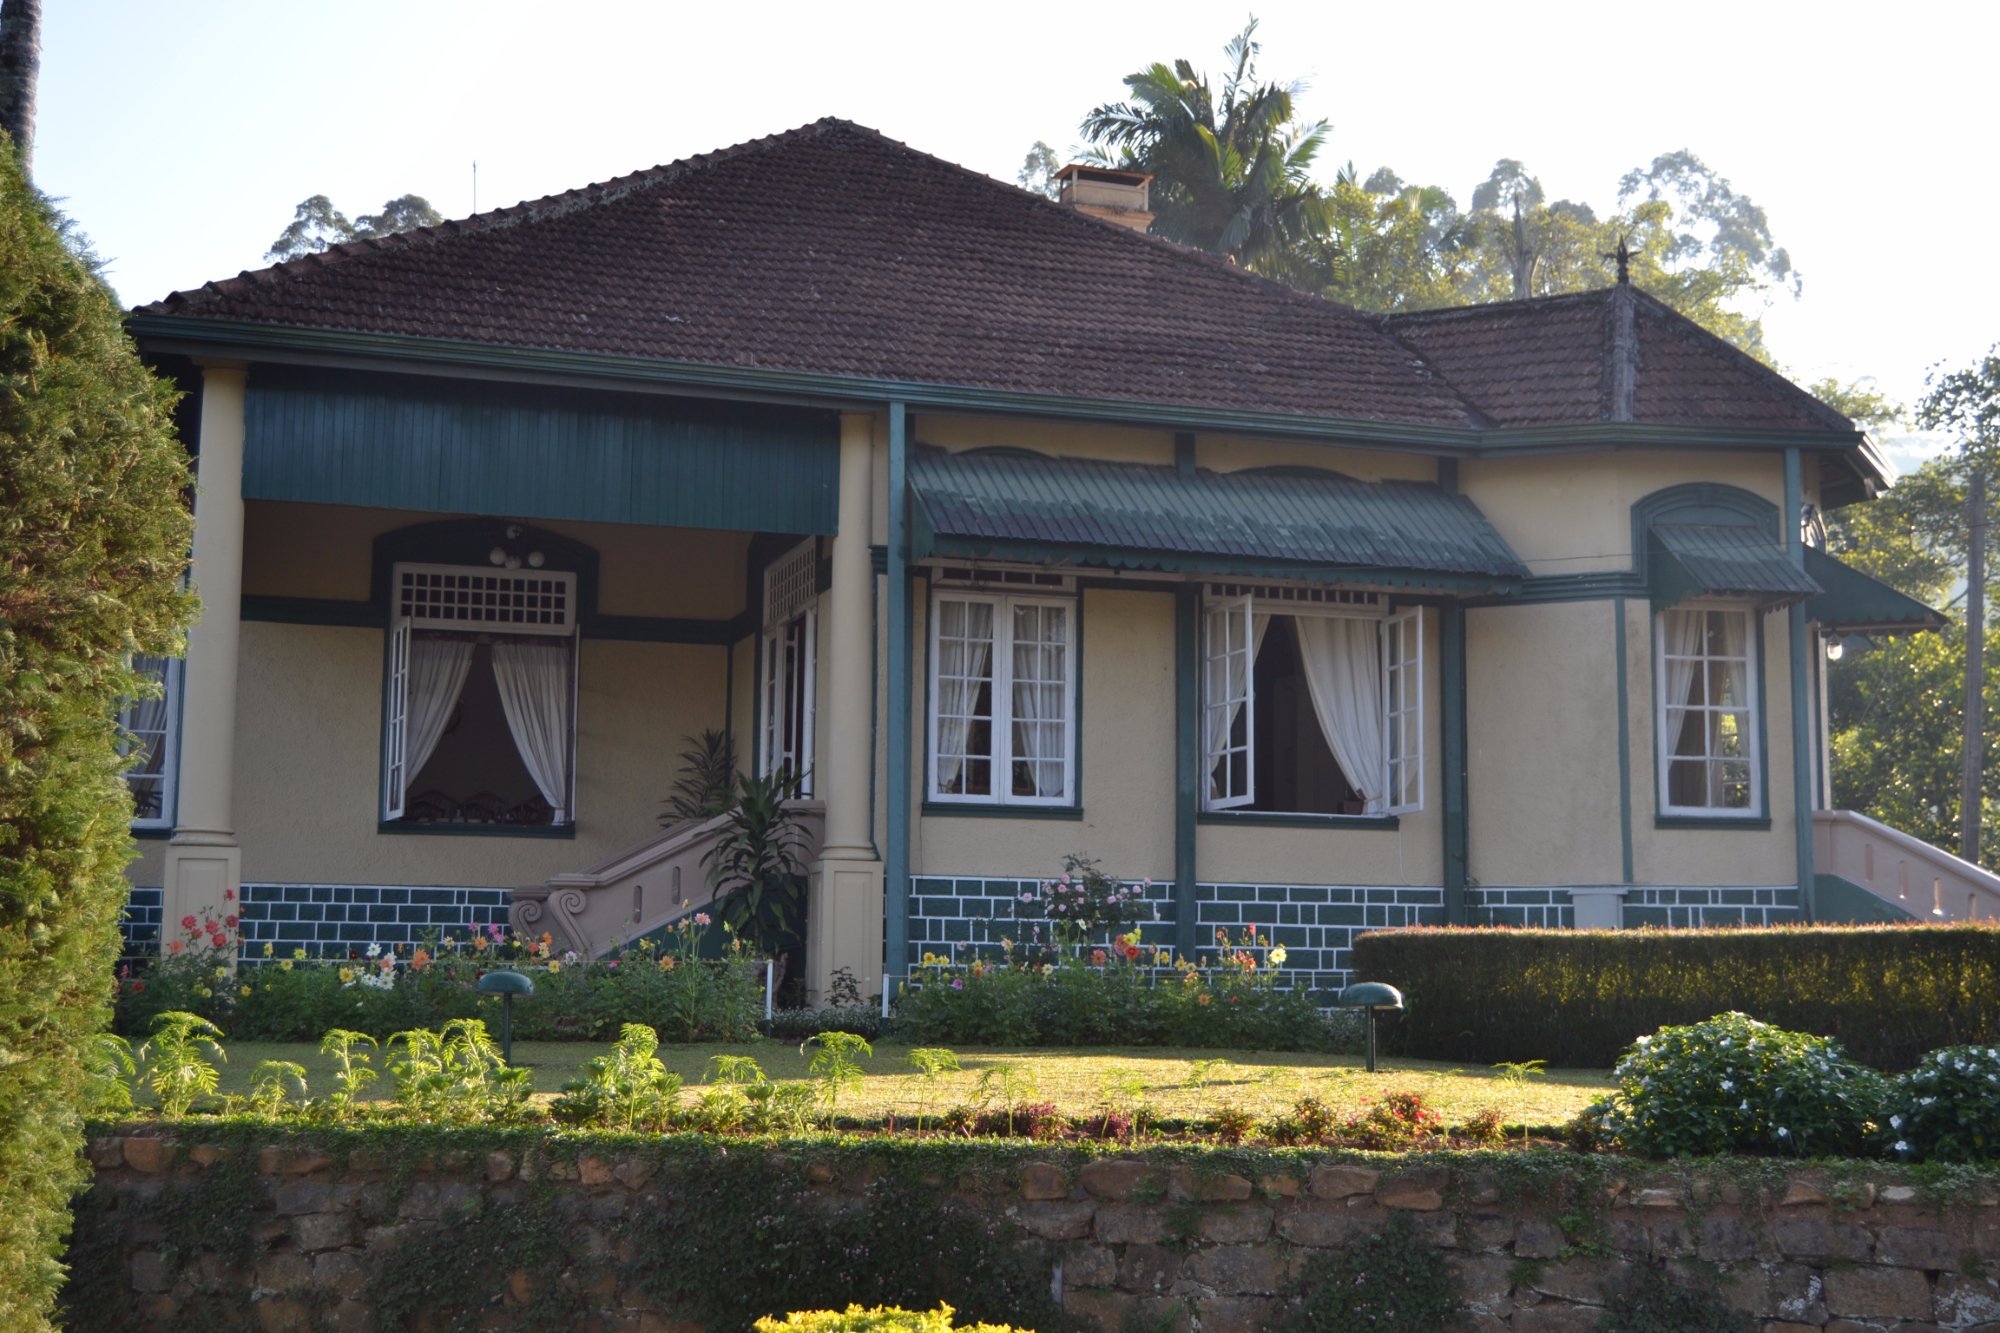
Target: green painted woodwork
<point>533,451</point>
<point>1843,901</point>
<point>252,341</point>
<point>896,856</point>
<point>1187,761</point>
<point>1272,819</point>
<point>1854,602</point>
<point>1284,523</point>
<point>1454,781</point>
<point>1624,747</point>
<point>1688,560</point>
<point>1802,731</point>
<point>955,810</point>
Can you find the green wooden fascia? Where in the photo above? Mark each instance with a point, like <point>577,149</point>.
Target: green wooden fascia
<point>1187,762</point>
<point>252,340</point>
<point>590,626</point>
<point>896,852</point>
<point>1795,622</point>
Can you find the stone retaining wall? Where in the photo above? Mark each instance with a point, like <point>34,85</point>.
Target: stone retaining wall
<point>1125,1236</point>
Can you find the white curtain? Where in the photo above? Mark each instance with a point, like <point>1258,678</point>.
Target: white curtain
<point>1684,631</point>
<point>965,650</point>
<point>146,720</point>
<point>1040,633</point>
<point>438,668</point>
<point>1222,721</point>
<point>535,693</point>
<point>1342,658</point>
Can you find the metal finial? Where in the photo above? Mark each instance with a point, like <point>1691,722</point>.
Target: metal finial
<point>1623,254</point>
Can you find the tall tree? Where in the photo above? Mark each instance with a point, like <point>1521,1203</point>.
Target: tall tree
<point>1231,172</point>
<point>317,224</point>
<point>1038,170</point>
<point>92,553</point>
<point>20,72</point>
<point>1388,245</point>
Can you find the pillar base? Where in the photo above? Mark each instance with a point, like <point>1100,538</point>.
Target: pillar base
<point>844,926</point>
<point>203,879</point>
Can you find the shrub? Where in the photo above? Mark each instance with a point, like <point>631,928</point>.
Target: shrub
<point>1947,1109</point>
<point>92,548</point>
<point>1578,998</point>
<point>1074,1004</point>
<point>628,1089</point>
<point>1653,1303</point>
<point>881,1319</point>
<point>1395,1281</point>
<point>863,1020</point>
<point>1732,1083</point>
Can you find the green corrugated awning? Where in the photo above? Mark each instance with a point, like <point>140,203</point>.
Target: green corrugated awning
<point>1290,524</point>
<point>1687,560</point>
<point>1854,601</point>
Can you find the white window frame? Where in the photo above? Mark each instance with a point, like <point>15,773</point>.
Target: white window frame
<point>170,747</point>
<point>1228,651</point>
<point>1402,681</point>
<point>1001,672</point>
<point>1403,710</point>
<point>1751,710</point>
<point>791,643</point>
<point>538,602</point>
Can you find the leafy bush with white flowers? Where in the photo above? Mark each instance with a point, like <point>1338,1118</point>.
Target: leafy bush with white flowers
<point>1732,1083</point>
<point>1947,1109</point>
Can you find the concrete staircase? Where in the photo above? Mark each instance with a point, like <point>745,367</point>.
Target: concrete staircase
<point>642,888</point>
<point>1867,871</point>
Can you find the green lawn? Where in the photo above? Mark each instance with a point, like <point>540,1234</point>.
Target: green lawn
<point>1176,1083</point>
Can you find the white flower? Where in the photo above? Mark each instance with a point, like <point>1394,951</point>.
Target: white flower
<point>1896,1122</point>
<point>374,950</point>
<point>1784,1133</point>
<point>1902,1146</point>
<point>1728,1086</point>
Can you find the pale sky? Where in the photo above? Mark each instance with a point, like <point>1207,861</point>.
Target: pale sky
<point>181,135</point>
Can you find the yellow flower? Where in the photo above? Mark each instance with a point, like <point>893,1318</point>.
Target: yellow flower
<point>1278,956</point>
<point>299,954</point>
<point>221,972</point>
<point>246,992</point>
<point>346,975</point>
<point>285,964</point>
<point>267,948</point>
<point>555,965</point>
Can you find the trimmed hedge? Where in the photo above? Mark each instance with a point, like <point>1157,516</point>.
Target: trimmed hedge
<point>1578,998</point>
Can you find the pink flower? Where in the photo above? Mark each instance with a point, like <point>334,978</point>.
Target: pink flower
<point>701,918</point>
<point>229,895</point>
<point>187,922</point>
<point>958,983</point>
<point>219,941</point>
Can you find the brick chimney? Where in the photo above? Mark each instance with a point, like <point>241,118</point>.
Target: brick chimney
<point>1105,192</point>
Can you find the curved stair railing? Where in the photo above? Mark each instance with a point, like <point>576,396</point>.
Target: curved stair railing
<point>640,889</point>
<point>1907,874</point>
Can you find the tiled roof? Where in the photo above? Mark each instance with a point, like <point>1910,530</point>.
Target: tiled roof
<point>1131,515</point>
<point>832,249</point>
<point>1550,361</point>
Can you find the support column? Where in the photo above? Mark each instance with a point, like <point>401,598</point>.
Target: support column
<point>1795,622</point>
<point>844,908</point>
<point>204,862</point>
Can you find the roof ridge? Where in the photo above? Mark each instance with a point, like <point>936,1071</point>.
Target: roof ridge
<point>1479,309</point>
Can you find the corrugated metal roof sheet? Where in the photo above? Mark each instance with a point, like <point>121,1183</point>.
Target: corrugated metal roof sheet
<point>1299,522</point>
<point>1722,560</point>
<point>1855,601</point>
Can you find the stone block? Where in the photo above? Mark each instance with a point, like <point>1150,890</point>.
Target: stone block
<point>282,1315</point>
<point>1057,1219</point>
<point>1043,1180</point>
<point>1581,1281</point>
<point>594,1171</point>
<point>1801,1191</point>
<point>1089,1266</point>
<point>1280,1186</point>
<point>1484,1282</point>
<point>1551,1317</point>
<point>147,1153</point>
<point>353,1317</point>
<point>499,1166</point>
<point>324,1231</point>
<point>1419,1191</point>
<point>1916,1247</point>
<point>1536,1239</point>
<point>1238,1270</point>
<point>1486,1231</point>
<point>1318,1225</point>
<point>1239,1225</point>
<point>106,1150</point>
<point>150,1272</point>
<point>1878,1293</point>
<point>1817,1239</point>
<point>1963,1302</point>
<point>1798,1293</point>
<point>633,1172</point>
<point>341,1274</point>
<point>1657,1198</point>
<point>1186,1184</point>
<point>1897,1195</point>
<point>295,1197</point>
<point>283,1272</point>
<point>1726,1239</point>
<point>1110,1178</point>
<point>207,1154</point>
<point>1343,1182</point>
<point>1148,1269</point>
<point>1129,1224</point>
<point>1239,1314</point>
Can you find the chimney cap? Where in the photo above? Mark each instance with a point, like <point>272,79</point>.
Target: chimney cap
<point>1104,175</point>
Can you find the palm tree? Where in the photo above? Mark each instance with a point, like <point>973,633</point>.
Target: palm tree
<point>1230,176</point>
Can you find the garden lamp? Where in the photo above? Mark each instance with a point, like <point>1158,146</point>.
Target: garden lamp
<point>509,984</point>
<point>1370,995</point>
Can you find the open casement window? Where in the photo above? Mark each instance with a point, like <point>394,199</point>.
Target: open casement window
<point>1002,698</point>
<point>1708,759</point>
<point>150,740</point>
<point>791,644</point>
<point>1403,709</point>
<point>479,697</point>
<point>1312,702</point>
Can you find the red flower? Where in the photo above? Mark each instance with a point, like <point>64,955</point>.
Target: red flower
<point>230,921</point>
<point>175,946</point>
<point>209,927</point>
<point>229,895</point>
<point>187,922</point>
<point>138,986</point>
<point>219,941</point>
<point>1131,951</point>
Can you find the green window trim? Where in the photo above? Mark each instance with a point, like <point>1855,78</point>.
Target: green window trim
<point>557,831</point>
<point>1223,818</point>
<point>953,809</point>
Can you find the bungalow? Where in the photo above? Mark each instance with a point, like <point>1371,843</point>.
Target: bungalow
<point>1019,533</point>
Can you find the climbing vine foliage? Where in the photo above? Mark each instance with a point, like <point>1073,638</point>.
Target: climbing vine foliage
<point>94,536</point>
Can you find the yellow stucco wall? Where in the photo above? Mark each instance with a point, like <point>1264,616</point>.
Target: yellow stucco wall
<point>1572,513</point>
<point>324,551</point>
<point>308,755</point>
<point>1067,439</point>
<point>1225,454</point>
